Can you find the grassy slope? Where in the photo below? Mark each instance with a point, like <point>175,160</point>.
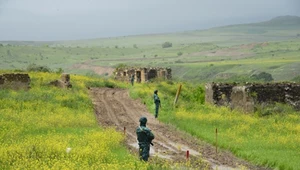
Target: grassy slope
<point>280,57</point>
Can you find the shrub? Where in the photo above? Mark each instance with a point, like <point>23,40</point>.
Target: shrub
<point>109,84</point>
<point>37,68</point>
<point>59,71</point>
<point>263,76</point>
<point>179,53</point>
<point>272,109</point>
<point>121,65</point>
<point>166,45</point>
<point>198,95</point>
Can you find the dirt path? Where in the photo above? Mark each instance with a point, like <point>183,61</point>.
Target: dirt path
<point>114,107</point>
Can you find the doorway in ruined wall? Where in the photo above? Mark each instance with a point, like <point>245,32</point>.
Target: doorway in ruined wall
<point>152,74</point>
<point>138,76</point>
<point>163,74</point>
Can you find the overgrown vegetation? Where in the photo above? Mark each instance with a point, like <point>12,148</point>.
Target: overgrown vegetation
<point>263,76</point>
<point>167,45</point>
<point>194,62</point>
<point>51,128</point>
<point>37,126</point>
<point>267,137</point>
<point>36,68</point>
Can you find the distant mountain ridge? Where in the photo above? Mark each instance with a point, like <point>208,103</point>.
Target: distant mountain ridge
<point>282,20</point>
<point>288,25</point>
<point>279,21</point>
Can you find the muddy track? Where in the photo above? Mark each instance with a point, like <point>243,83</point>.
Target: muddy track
<point>114,108</point>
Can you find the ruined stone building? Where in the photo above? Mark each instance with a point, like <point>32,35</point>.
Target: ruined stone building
<point>15,81</point>
<point>143,74</point>
<point>246,97</point>
<point>21,81</point>
<point>64,81</point>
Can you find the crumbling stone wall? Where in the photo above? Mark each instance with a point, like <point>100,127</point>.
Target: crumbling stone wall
<point>292,95</point>
<point>143,74</point>
<point>241,99</point>
<point>15,81</point>
<point>64,81</point>
<point>247,96</point>
<point>218,93</point>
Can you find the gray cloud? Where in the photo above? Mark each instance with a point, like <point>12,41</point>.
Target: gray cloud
<point>2,5</point>
<point>77,19</point>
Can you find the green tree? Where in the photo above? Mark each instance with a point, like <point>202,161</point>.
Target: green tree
<point>37,68</point>
<point>264,76</point>
<point>166,45</point>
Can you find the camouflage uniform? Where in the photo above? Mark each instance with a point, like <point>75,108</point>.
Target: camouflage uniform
<point>157,103</point>
<point>144,137</point>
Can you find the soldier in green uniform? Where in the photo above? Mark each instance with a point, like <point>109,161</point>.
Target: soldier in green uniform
<point>132,79</point>
<point>144,137</point>
<point>157,102</point>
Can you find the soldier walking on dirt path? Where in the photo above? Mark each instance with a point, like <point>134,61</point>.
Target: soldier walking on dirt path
<point>157,103</point>
<point>132,79</point>
<point>144,137</point>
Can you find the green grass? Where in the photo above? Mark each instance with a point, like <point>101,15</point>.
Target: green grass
<point>271,141</point>
<point>190,66</point>
<point>228,49</point>
<point>37,126</point>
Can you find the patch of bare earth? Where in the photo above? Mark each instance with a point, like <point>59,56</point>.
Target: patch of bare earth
<point>100,70</point>
<point>114,108</point>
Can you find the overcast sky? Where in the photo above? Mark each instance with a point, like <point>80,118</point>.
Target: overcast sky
<point>45,20</point>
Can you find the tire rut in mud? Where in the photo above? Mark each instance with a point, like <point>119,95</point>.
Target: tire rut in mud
<point>114,108</point>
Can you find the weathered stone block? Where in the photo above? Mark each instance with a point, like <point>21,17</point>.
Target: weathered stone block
<point>15,81</point>
<point>246,97</point>
<point>63,83</point>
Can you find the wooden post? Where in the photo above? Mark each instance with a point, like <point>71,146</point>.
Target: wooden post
<point>124,130</point>
<point>177,94</point>
<point>216,141</point>
<point>187,154</point>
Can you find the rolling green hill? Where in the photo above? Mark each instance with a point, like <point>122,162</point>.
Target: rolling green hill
<point>229,53</point>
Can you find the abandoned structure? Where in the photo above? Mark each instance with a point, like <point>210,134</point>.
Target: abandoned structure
<point>143,74</point>
<point>246,97</point>
<point>15,81</point>
<point>64,81</point>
